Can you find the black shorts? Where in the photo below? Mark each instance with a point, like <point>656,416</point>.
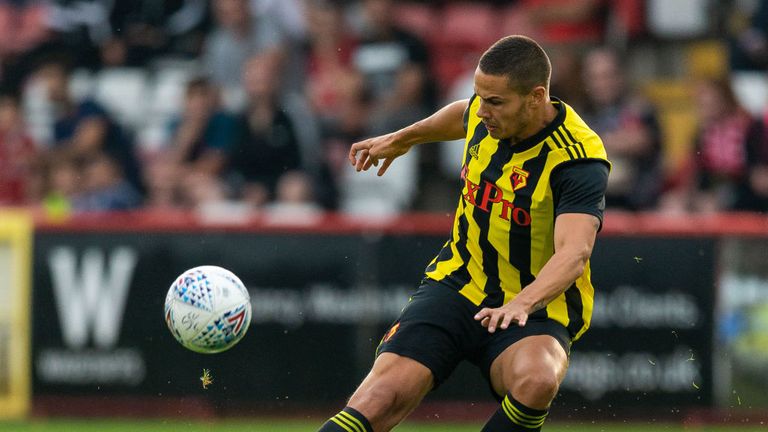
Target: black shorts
<point>438,329</point>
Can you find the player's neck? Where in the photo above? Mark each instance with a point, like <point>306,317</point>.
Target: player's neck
<point>541,119</point>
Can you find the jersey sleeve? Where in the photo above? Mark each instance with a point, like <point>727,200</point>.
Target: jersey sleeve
<point>579,187</point>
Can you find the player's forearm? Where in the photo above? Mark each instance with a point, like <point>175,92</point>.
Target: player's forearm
<point>559,273</point>
<point>446,124</point>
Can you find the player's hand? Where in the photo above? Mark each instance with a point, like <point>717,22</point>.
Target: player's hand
<point>502,317</point>
<point>365,154</point>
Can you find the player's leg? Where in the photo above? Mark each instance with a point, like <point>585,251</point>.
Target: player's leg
<point>418,353</point>
<point>392,389</point>
<point>528,373</point>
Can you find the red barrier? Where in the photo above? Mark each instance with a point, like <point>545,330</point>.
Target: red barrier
<point>616,223</point>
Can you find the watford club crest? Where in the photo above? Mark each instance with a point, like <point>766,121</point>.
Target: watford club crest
<point>474,151</point>
<point>519,178</point>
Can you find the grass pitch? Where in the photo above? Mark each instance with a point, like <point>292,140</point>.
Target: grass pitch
<point>295,426</point>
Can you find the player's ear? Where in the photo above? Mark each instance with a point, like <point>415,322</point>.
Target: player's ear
<point>538,96</point>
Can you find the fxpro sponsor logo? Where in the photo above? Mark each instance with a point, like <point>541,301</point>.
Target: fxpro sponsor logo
<point>634,307</point>
<point>595,373</point>
<point>484,195</point>
<point>329,304</point>
<point>90,297</point>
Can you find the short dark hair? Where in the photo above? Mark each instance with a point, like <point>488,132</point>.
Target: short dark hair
<point>521,59</point>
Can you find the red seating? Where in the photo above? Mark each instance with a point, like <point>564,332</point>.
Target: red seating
<point>463,32</point>
<point>513,20</point>
<point>418,18</point>
<point>469,24</point>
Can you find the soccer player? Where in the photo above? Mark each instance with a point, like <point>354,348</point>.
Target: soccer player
<point>511,288</point>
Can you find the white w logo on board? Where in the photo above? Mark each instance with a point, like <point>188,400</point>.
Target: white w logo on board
<point>91,297</point>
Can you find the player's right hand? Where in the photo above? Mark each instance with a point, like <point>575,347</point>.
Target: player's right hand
<point>367,153</point>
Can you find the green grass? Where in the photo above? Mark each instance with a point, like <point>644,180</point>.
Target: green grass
<point>294,426</point>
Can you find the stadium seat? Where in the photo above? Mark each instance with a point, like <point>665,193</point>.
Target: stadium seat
<point>630,17</point>
<point>751,89</point>
<point>153,138</point>
<point>81,84</point>
<point>418,18</point>
<point>677,118</point>
<point>471,25</point>
<point>678,131</point>
<point>707,59</point>
<point>512,21</point>
<point>368,195</point>
<point>680,19</point>
<point>38,112</point>
<point>167,92</point>
<point>123,91</point>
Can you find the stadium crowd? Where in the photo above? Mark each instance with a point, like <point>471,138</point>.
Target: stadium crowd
<point>252,104</point>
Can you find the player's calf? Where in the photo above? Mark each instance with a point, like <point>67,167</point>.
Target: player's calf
<point>377,406</point>
<point>392,389</point>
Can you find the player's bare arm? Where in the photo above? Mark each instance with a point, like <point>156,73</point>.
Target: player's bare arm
<point>574,239</point>
<point>444,125</point>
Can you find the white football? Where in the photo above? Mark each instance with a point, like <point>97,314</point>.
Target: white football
<point>208,309</point>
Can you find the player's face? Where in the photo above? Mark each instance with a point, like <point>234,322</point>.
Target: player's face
<point>505,112</point>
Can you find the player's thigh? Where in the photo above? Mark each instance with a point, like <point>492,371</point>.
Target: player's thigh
<point>436,329</point>
<point>533,357</point>
<point>395,383</point>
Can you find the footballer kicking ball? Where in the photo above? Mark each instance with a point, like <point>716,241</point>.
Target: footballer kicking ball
<point>208,309</point>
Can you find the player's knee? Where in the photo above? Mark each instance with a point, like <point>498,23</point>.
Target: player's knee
<point>375,402</point>
<point>540,388</point>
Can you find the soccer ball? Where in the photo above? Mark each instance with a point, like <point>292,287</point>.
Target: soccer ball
<point>208,309</point>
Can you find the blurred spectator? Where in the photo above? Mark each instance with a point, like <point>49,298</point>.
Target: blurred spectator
<point>335,91</point>
<point>628,125</point>
<point>204,133</point>
<point>80,27</point>
<point>566,22</point>
<point>287,14</point>
<point>201,139</point>
<point>163,184</point>
<point>22,29</point>
<point>294,201</point>
<point>395,67</point>
<point>63,183</point>
<point>332,81</point>
<point>567,29</point>
<point>146,29</point>
<point>17,154</point>
<point>290,18</point>
<point>84,128</point>
<point>92,184</point>
<point>748,35</point>
<point>716,175</point>
<point>103,187</point>
<point>266,147</point>
<point>238,35</point>
<point>756,198</point>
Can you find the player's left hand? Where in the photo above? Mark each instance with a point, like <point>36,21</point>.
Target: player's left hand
<point>502,317</point>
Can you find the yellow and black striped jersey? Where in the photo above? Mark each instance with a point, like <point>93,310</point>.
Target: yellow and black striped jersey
<point>503,232</point>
